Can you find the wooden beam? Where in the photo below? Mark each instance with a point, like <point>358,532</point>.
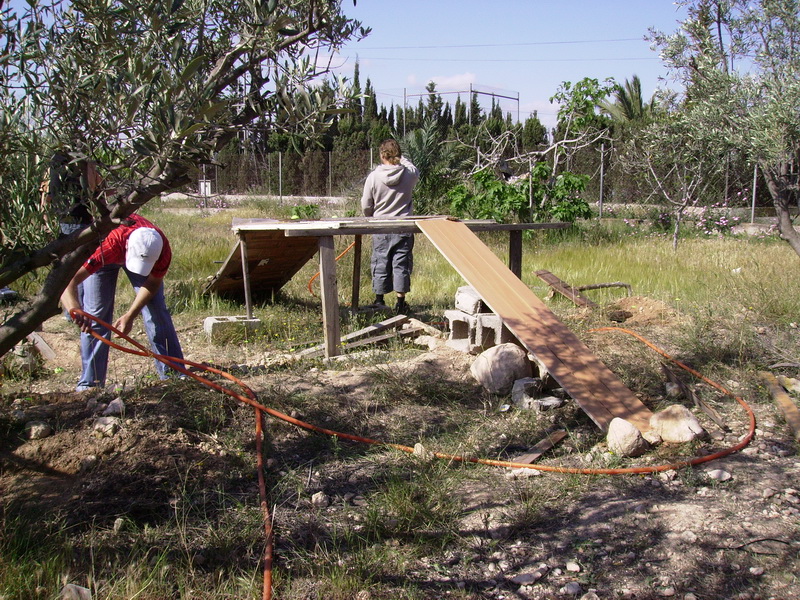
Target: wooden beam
<point>515,252</point>
<point>248,299</point>
<point>375,339</point>
<point>330,296</point>
<point>354,300</point>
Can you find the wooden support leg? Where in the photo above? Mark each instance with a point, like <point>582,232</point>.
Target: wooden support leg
<point>248,299</point>
<point>515,252</point>
<point>330,296</point>
<point>356,274</point>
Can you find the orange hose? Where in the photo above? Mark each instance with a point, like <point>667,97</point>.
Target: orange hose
<point>310,281</point>
<point>251,399</point>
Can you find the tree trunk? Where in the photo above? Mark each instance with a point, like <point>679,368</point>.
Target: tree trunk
<point>780,184</point>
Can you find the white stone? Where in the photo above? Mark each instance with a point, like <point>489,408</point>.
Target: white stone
<point>571,589</point>
<point>718,475</point>
<point>320,500</point>
<point>106,426</point>
<point>624,439</point>
<point>499,367</point>
<point>573,567</point>
<point>676,424</point>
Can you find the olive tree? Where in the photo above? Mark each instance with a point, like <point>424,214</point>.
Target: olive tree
<point>147,90</point>
<point>739,63</point>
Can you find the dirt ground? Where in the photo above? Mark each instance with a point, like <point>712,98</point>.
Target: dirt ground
<point>677,534</point>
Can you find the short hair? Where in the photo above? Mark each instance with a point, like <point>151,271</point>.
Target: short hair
<point>390,151</point>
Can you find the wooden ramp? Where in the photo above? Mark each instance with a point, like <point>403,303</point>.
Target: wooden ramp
<point>597,390</point>
<point>272,260</point>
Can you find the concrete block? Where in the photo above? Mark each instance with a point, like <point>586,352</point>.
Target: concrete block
<point>462,330</point>
<point>225,329</point>
<point>468,300</point>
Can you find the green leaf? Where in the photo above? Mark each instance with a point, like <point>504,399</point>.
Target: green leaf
<point>192,67</point>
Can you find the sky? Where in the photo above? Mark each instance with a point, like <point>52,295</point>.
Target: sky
<point>523,49</point>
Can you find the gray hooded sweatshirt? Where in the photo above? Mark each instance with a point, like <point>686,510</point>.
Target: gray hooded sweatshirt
<point>387,191</point>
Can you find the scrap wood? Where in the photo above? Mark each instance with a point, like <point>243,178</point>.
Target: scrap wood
<point>784,402</point>
<point>395,321</point>
<point>375,339</point>
<point>698,402</point>
<point>565,290</point>
<point>541,447</point>
<point>41,346</point>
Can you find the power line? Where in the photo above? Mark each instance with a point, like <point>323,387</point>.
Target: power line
<point>502,45</point>
<point>508,60</point>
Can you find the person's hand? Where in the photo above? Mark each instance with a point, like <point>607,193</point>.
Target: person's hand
<point>124,324</point>
<point>83,322</point>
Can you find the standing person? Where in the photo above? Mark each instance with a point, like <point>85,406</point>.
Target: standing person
<point>142,250</point>
<point>69,191</point>
<point>387,193</point>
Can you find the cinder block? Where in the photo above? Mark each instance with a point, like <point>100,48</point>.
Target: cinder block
<point>468,300</point>
<point>224,329</point>
<point>490,331</point>
<point>462,330</point>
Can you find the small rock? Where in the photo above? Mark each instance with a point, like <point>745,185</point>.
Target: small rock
<point>423,453</point>
<point>106,426</point>
<point>37,430</point>
<point>590,596</point>
<point>114,408</point>
<point>573,588</point>
<point>624,439</point>
<point>118,523</point>
<point>88,462</point>
<point>757,571</point>
<point>320,500</point>
<point>522,473</point>
<point>75,592</point>
<point>667,592</point>
<point>673,389</point>
<point>719,475</point>
<point>573,567</point>
<point>676,424</point>
<point>689,596</point>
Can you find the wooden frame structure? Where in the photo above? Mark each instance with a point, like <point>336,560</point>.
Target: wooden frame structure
<point>269,253</point>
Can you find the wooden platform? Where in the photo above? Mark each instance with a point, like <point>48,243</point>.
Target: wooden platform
<point>596,389</point>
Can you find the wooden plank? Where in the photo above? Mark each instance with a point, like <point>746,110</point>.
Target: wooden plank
<point>784,402</point>
<point>596,389</point>
<point>565,290</point>
<point>395,321</point>
<point>41,346</point>
<point>540,448</point>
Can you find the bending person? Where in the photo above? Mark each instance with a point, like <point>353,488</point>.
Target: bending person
<point>142,250</point>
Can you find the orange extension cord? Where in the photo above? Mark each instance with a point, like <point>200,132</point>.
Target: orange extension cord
<point>251,399</point>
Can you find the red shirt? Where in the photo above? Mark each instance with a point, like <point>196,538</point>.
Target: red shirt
<point>112,249</point>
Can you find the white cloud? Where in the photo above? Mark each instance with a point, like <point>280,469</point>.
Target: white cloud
<point>454,83</point>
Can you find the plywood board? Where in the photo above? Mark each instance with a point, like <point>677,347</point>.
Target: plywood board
<point>595,388</point>
<point>273,259</point>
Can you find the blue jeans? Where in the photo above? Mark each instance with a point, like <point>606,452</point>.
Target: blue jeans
<point>99,291</point>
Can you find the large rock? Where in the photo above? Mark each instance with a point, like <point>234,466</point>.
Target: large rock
<point>624,439</point>
<point>499,367</point>
<point>676,424</point>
